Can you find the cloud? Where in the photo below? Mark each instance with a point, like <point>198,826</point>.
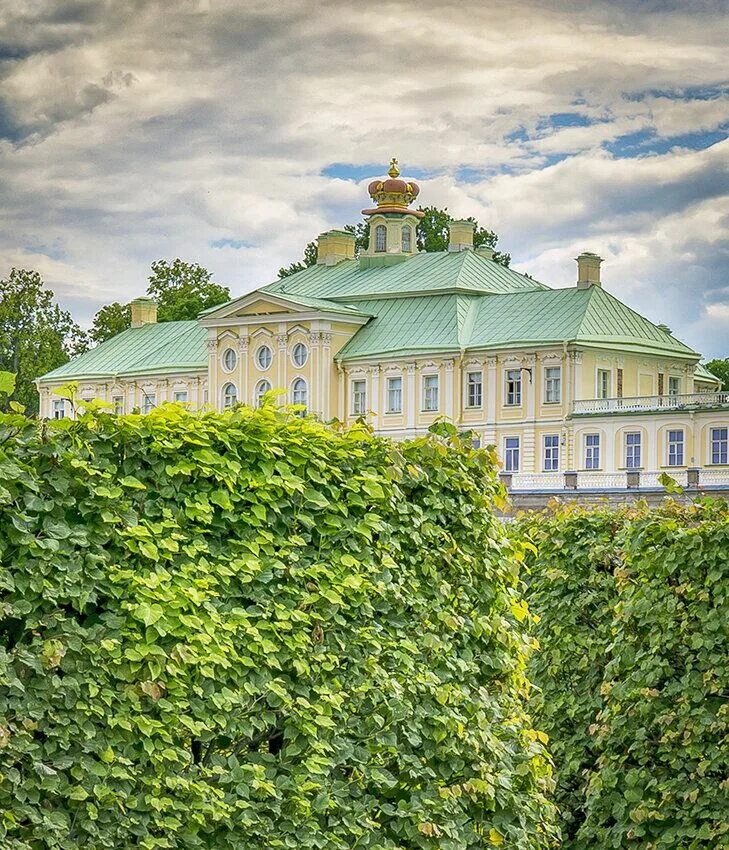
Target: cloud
<point>231,134</point>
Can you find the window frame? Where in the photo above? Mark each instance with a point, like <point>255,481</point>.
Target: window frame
<point>510,452</point>
<point>359,397</point>
<point>554,381</point>
<point>472,385</point>
<point>380,230</point>
<point>58,406</point>
<point>181,400</point>
<point>547,453</point>
<point>430,393</point>
<point>224,394</point>
<point>294,391</point>
<point>224,359</point>
<point>679,459</point>
<point>257,357</point>
<point>718,441</point>
<point>593,453</point>
<point>513,396</point>
<point>117,405</point>
<point>406,229</point>
<point>149,402</point>
<point>389,390</point>
<point>608,374</point>
<point>299,346</point>
<point>259,391</point>
<point>674,380</point>
<point>630,450</point>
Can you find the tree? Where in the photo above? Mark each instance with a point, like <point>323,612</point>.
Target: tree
<point>720,368</point>
<point>431,235</point>
<point>111,320</point>
<point>182,290</point>
<point>36,335</point>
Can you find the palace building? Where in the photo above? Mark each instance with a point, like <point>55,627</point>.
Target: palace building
<point>574,388</point>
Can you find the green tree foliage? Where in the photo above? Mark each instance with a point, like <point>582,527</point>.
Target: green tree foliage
<point>250,630</point>
<point>431,235</point>
<point>633,676</point>
<point>182,290</point>
<point>720,368</point>
<point>36,335</point>
<point>110,320</point>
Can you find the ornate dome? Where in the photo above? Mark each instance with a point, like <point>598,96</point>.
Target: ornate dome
<point>393,194</point>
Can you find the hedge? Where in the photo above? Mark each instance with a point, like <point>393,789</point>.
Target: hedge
<point>251,630</point>
<point>633,673</point>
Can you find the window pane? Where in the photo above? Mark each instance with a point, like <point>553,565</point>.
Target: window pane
<point>551,453</point>
<point>513,386</point>
<point>394,395</point>
<point>632,450</point>
<point>511,454</point>
<point>262,387</point>
<point>719,445</point>
<point>230,358</point>
<point>406,238</point>
<point>264,356</point>
<point>552,384</point>
<point>380,238</point>
<point>474,394</point>
<point>359,397</point>
<point>430,392</point>
<point>675,447</point>
<point>300,354</point>
<point>592,451</point>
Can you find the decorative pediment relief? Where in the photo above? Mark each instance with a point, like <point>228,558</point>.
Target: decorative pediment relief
<point>261,333</point>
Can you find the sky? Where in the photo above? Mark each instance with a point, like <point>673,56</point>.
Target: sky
<point>231,133</point>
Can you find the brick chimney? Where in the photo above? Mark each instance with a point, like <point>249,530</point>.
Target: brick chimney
<point>588,270</point>
<point>334,246</point>
<point>461,235</point>
<point>144,312</point>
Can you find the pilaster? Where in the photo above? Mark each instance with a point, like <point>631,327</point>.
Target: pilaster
<point>448,390</point>
<point>410,394</point>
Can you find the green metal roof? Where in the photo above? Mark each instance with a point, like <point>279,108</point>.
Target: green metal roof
<point>702,373</point>
<point>321,304</point>
<point>590,317</point>
<point>149,349</point>
<point>463,271</point>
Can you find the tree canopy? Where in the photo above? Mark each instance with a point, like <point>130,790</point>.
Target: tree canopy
<point>181,289</point>
<point>36,335</point>
<point>431,235</point>
<point>720,368</point>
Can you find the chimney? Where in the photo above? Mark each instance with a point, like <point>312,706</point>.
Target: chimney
<point>144,312</point>
<point>334,246</point>
<point>588,270</point>
<point>461,235</point>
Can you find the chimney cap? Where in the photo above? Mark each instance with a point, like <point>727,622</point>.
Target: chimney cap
<point>588,270</point>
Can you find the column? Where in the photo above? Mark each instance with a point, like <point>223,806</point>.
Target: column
<point>410,395</point>
<point>195,400</point>
<point>282,362</point>
<point>163,391</point>
<point>491,387</point>
<point>326,376</point>
<point>131,396</point>
<point>342,385</point>
<point>243,388</point>
<point>315,389</point>
<point>375,396</point>
<point>448,390</point>
<point>213,400</point>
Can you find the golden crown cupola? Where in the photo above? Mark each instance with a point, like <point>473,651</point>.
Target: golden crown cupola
<point>392,222</point>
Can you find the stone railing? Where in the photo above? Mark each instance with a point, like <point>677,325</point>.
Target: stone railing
<point>683,401</point>
<point>633,479</point>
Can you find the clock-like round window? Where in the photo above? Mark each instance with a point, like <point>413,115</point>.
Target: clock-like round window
<point>264,356</point>
<point>300,354</point>
<point>230,358</point>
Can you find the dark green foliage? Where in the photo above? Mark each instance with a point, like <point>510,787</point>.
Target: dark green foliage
<point>36,335</point>
<point>634,672</point>
<point>110,320</point>
<point>247,630</point>
<point>720,368</point>
<point>183,290</point>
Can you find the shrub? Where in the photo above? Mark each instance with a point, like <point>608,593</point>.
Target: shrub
<point>634,672</point>
<point>250,630</point>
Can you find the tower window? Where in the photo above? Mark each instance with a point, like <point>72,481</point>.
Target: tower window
<point>380,238</point>
<point>407,239</point>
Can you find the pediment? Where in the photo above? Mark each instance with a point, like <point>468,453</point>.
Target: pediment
<point>264,307</point>
<point>256,304</point>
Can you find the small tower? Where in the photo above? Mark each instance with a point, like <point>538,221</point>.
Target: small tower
<point>392,223</point>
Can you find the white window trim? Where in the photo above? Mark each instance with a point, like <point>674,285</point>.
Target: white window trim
<point>306,355</point>
<point>558,447</point>
<point>558,400</point>
<point>227,370</point>
<point>387,394</point>
<point>353,394</point>
<point>256,356</point>
<point>516,437</point>
<point>424,376</point>
<point>306,391</point>
<point>257,394</point>
<point>709,455</point>
<point>508,403</point>
<point>641,444</point>
<point>609,373</point>
<point>468,404</point>
<point>175,393</point>
<point>222,395</point>
<point>599,451</point>
<point>668,442</point>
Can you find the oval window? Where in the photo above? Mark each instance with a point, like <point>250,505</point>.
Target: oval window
<point>264,356</point>
<point>299,354</point>
<point>230,358</point>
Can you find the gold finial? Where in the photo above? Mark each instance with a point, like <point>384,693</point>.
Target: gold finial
<point>394,170</point>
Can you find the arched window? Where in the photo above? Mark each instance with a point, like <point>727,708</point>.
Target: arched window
<point>380,238</point>
<point>262,387</point>
<point>264,356</point>
<point>230,358</point>
<point>230,396</point>
<point>299,392</point>
<point>407,238</point>
<point>299,354</point>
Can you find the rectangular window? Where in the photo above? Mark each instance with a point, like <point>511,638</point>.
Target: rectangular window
<point>359,398</point>
<point>553,385</point>
<point>474,394</point>
<point>719,445</point>
<point>592,451</point>
<point>59,409</point>
<point>394,395</point>
<point>513,386</point>
<point>117,403</point>
<point>632,450</point>
<point>430,392</point>
<point>149,402</point>
<point>674,385</point>
<point>511,454</point>
<point>551,453</point>
<point>603,383</point>
<point>181,396</point>
<point>675,447</point>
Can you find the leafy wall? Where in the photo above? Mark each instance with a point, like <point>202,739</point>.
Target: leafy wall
<point>249,630</point>
<point>633,674</point>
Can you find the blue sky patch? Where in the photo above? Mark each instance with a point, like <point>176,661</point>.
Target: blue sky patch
<point>648,142</point>
<point>236,244</point>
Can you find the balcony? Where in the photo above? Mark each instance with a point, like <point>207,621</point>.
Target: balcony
<point>647,403</point>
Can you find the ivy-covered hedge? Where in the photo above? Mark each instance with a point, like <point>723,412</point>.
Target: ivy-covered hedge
<point>248,630</point>
<point>633,672</point>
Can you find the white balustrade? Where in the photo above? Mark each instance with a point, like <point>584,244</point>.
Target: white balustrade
<point>537,481</point>
<point>683,401</point>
